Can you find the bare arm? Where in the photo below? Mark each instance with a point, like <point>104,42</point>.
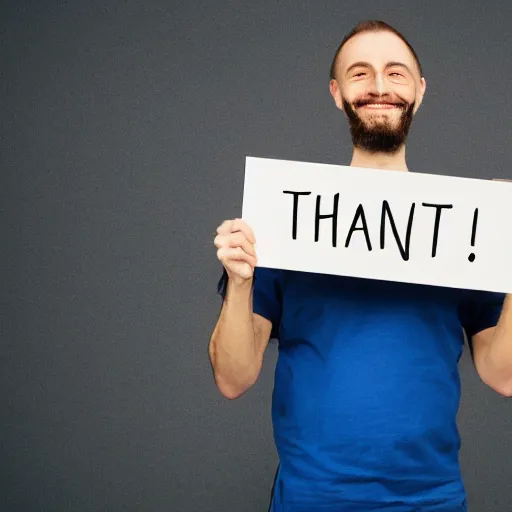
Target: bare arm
<point>240,337</point>
<point>238,343</point>
<point>492,350</point>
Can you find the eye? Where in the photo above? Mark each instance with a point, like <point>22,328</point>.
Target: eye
<point>359,74</point>
<point>395,73</point>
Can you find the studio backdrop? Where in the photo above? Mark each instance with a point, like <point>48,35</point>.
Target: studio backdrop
<point>124,131</point>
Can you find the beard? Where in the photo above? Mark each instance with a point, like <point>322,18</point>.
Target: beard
<point>380,136</point>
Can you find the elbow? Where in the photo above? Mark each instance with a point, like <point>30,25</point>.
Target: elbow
<point>233,381</point>
<point>233,386</point>
<point>502,387</point>
<point>232,391</point>
<point>505,390</point>
<point>498,377</point>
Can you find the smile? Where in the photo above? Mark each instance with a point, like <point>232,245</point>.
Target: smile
<point>380,106</point>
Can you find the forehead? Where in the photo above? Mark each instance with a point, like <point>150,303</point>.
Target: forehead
<point>376,48</point>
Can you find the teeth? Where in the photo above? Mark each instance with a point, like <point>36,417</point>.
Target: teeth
<point>380,105</point>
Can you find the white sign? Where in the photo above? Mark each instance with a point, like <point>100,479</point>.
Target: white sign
<point>388,225</point>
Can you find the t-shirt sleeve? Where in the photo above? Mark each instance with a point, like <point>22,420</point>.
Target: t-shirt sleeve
<point>267,294</point>
<point>480,310</point>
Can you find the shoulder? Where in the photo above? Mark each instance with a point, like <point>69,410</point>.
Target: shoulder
<point>479,310</point>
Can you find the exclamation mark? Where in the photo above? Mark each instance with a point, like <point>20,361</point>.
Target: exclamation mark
<point>472,256</point>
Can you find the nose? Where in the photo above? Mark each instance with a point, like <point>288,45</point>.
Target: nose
<point>380,84</point>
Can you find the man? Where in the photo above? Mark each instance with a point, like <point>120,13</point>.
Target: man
<point>366,384</point>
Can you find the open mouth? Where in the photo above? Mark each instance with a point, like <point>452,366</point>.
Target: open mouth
<point>381,106</point>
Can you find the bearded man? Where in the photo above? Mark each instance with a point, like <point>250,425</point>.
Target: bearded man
<point>366,385</point>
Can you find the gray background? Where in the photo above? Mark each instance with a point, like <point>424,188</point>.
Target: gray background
<point>124,129</point>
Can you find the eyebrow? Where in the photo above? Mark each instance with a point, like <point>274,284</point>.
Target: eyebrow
<point>392,64</point>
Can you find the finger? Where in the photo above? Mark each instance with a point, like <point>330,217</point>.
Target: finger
<point>227,254</point>
<point>219,241</point>
<point>224,240</point>
<point>235,254</point>
<point>235,240</point>
<point>239,240</point>
<point>241,225</point>
<point>225,228</point>
<point>235,225</point>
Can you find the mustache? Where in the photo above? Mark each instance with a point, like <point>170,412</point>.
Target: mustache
<point>373,101</point>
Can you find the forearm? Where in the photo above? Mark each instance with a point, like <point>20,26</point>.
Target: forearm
<point>232,349</point>
<point>497,358</point>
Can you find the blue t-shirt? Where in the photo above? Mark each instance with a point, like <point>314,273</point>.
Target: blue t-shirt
<point>367,390</point>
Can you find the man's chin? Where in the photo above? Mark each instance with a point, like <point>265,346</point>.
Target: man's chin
<point>381,123</point>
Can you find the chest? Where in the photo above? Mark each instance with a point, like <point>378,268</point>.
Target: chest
<point>326,312</point>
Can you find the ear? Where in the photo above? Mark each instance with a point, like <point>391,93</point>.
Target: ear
<point>419,98</point>
<point>334,88</point>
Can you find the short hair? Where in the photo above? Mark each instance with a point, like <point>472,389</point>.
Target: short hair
<point>372,26</point>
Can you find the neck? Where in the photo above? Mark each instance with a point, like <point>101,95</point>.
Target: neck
<point>394,162</point>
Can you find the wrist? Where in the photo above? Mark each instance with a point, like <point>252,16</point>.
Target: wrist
<point>239,286</point>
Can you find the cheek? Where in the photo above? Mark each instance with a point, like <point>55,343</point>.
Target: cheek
<point>407,92</point>
<point>354,90</point>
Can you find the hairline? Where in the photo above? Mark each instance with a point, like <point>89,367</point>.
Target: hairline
<point>391,30</point>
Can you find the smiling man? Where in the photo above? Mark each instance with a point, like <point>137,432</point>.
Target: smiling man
<point>377,80</point>
<point>366,385</point>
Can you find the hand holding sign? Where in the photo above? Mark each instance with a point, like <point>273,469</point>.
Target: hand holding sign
<point>235,249</point>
